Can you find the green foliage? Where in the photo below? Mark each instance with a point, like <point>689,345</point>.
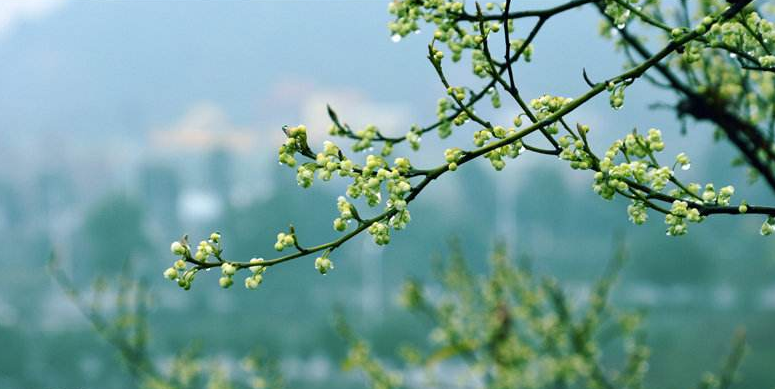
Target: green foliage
<point>124,325</point>
<point>513,328</point>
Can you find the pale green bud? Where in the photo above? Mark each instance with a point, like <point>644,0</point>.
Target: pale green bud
<point>253,281</point>
<point>683,160</point>
<point>225,282</point>
<point>171,273</point>
<point>177,248</point>
<point>676,32</point>
<point>228,269</point>
<point>323,265</point>
<point>288,240</point>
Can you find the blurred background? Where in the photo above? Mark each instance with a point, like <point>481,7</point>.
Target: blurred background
<point>125,124</point>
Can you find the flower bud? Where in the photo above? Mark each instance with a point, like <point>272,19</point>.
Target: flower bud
<point>225,282</point>
<point>171,273</point>
<point>323,265</point>
<point>339,224</point>
<point>228,269</point>
<point>253,281</point>
<point>177,248</point>
<point>288,240</point>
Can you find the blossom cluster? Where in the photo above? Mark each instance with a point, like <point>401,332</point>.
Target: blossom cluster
<point>639,176</point>
<point>179,270</point>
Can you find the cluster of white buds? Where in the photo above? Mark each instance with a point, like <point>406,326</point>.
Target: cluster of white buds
<point>406,18</point>
<point>296,141</point>
<point>546,105</point>
<point>305,175</point>
<point>709,194</point>
<point>328,161</point>
<point>654,140</point>
<point>365,137</point>
<point>511,150</point>
<point>725,195</point>
<point>323,264</point>
<point>172,273</point>
<point>255,279</point>
<point>227,272</point>
<point>659,177</point>
<point>345,208</point>
<point>380,232</point>
<point>679,214</point>
<point>178,271</point>
<point>618,13</point>
<point>368,183</point>
<point>345,213</point>
<point>452,156</point>
<point>397,189</point>
<point>481,137</point>
<point>747,35</point>
<point>414,137</point>
<point>441,12</point>
<point>205,249</point>
<point>611,177</point>
<point>458,93</point>
<point>284,240</point>
<point>637,212</point>
<point>376,171</point>
<point>400,220</point>
<point>575,151</point>
<point>185,277</point>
